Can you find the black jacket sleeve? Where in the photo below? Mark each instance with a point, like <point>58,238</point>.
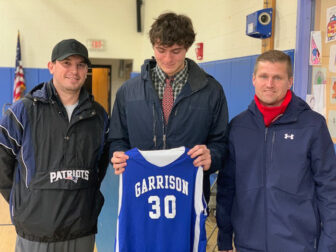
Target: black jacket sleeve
<point>217,138</point>
<point>103,161</point>
<point>118,134</point>
<point>10,144</point>
<point>7,164</point>
<point>224,201</point>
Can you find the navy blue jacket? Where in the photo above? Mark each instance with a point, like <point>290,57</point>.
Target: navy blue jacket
<point>278,191</point>
<point>199,116</point>
<point>50,168</point>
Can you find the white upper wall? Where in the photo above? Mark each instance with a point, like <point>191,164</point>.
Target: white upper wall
<point>219,24</point>
<point>43,23</point>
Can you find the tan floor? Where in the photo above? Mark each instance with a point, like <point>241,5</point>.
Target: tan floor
<point>211,229</point>
<point>7,230</point>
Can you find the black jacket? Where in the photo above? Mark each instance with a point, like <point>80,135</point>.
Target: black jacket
<point>199,116</point>
<point>50,168</point>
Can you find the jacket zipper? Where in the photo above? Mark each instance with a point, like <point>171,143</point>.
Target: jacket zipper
<point>265,188</point>
<point>72,124</point>
<point>164,129</point>
<point>273,140</point>
<point>265,180</point>
<point>154,124</point>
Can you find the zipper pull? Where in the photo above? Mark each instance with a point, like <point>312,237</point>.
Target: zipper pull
<point>164,141</point>
<point>154,140</point>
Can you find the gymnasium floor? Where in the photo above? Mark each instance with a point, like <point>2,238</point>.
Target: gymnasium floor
<point>211,229</point>
<point>7,231</point>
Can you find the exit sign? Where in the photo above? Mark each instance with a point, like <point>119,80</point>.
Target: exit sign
<point>96,44</point>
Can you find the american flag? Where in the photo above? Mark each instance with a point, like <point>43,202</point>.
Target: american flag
<point>19,82</point>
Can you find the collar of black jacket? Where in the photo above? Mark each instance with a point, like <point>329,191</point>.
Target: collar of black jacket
<point>46,92</point>
<point>83,95</point>
<point>197,78</point>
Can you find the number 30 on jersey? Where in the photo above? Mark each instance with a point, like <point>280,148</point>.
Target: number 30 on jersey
<point>169,205</point>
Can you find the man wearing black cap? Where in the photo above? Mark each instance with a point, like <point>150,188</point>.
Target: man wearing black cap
<point>53,157</point>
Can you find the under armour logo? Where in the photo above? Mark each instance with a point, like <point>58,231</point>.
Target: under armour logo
<point>291,136</point>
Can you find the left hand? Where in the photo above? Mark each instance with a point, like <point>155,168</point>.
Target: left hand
<point>202,156</point>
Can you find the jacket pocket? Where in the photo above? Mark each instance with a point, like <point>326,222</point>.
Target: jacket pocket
<point>59,214</point>
<point>298,218</point>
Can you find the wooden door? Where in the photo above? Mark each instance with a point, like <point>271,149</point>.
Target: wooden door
<point>101,86</point>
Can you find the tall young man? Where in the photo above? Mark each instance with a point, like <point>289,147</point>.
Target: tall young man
<point>172,103</point>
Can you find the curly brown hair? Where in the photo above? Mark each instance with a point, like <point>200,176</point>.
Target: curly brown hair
<point>170,28</point>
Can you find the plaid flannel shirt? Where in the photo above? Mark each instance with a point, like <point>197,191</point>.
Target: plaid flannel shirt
<point>159,77</point>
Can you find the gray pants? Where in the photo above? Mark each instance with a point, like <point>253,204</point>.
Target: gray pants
<point>83,244</point>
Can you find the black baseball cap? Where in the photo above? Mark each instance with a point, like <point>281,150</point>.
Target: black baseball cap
<point>69,47</point>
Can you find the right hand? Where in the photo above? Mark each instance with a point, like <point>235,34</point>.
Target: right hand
<point>118,161</point>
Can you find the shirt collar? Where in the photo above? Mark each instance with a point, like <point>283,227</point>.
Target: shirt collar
<point>177,77</point>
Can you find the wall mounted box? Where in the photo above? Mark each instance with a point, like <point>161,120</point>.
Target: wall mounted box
<point>259,24</point>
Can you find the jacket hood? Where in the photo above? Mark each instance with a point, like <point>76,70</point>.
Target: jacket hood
<point>294,109</point>
<point>197,78</point>
<point>39,92</point>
